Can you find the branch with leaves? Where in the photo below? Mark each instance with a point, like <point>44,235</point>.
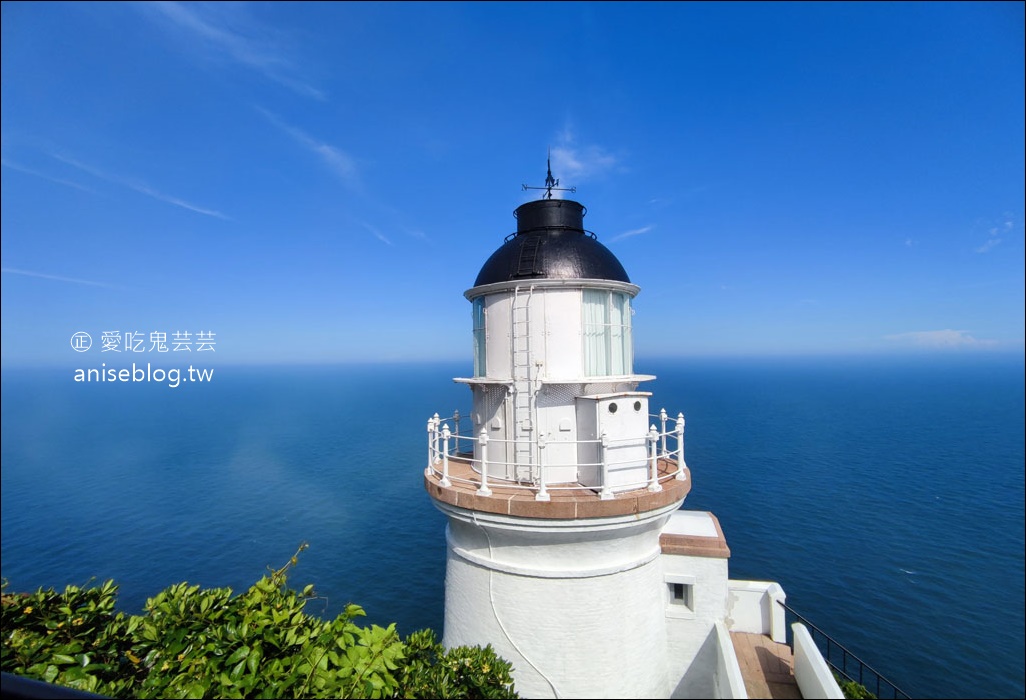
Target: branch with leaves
<point>194,642</point>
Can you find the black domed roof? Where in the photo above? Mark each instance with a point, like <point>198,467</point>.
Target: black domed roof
<point>551,243</point>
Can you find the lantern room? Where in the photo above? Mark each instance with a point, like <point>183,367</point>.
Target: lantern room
<point>554,356</point>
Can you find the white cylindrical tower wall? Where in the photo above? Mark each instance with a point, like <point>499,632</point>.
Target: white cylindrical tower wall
<point>576,606</point>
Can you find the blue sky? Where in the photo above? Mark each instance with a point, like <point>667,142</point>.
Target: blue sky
<point>321,182</point>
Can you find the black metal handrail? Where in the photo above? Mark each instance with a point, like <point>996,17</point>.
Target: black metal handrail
<point>867,677</point>
<point>546,229</point>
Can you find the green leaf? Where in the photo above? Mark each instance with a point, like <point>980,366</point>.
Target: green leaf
<point>240,653</point>
<point>253,661</point>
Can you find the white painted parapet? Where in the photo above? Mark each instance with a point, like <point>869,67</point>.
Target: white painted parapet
<point>757,607</point>
<point>714,672</point>
<point>729,681</point>
<point>774,601</point>
<point>811,671</point>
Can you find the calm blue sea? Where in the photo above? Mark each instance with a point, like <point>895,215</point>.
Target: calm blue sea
<point>886,496</point>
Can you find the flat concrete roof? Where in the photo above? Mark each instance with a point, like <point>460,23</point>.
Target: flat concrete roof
<point>694,533</point>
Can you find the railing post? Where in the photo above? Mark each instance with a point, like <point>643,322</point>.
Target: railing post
<point>483,441</point>
<point>431,442</point>
<point>456,420</point>
<point>543,494</point>
<point>445,456</point>
<point>437,420</point>
<point>605,494</point>
<point>653,441</point>
<point>680,447</point>
<point>662,432</point>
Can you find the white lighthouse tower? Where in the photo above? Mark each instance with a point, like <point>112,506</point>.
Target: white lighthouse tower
<point>567,551</point>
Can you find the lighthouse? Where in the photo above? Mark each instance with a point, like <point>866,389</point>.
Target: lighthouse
<point>567,549</point>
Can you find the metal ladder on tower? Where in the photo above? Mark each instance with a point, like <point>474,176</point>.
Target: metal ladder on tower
<point>523,396</point>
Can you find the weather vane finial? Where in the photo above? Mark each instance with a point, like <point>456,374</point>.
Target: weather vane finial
<point>550,182</point>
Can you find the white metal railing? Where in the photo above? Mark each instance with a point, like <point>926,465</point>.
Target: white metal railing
<point>666,444</point>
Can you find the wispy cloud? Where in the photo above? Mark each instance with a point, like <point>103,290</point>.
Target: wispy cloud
<point>989,245</point>
<point>229,30</point>
<point>347,169</point>
<point>996,234</point>
<point>139,187</point>
<point>22,169</point>
<point>573,162</point>
<point>378,234</point>
<point>581,163</point>
<point>940,340</point>
<point>340,162</point>
<point>57,278</point>
<point>632,232</point>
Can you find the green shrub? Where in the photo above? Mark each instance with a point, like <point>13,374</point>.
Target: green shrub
<point>194,643</point>
<point>430,671</point>
<point>853,690</point>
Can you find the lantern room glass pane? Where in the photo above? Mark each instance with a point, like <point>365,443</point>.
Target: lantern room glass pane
<point>608,348</point>
<point>616,334</point>
<point>480,367</point>
<point>621,339</point>
<point>596,357</point>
